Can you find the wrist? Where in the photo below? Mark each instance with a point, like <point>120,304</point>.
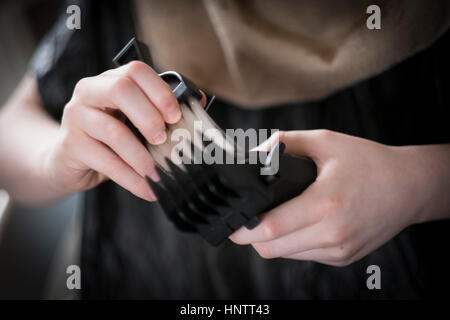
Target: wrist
<point>428,176</point>
<point>46,171</point>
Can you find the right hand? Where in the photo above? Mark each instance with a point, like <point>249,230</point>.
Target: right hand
<point>94,143</point>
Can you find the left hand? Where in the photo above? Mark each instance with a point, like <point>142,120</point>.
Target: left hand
<point>365,194</point>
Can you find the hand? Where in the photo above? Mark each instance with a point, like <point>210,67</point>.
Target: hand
<point>365,194</point>
<point>93,142</point>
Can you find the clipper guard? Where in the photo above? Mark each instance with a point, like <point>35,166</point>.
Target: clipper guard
<point>214,200</point>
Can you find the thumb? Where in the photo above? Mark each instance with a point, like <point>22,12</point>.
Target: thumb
<point>304,143</point>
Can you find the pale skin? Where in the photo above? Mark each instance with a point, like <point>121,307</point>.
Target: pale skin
<point>364,195</point>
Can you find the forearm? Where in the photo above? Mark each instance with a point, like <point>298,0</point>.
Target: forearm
<point>432,184</point>
<point>25,133</point>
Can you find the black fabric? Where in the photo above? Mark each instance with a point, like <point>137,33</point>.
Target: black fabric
<point>129,248</point>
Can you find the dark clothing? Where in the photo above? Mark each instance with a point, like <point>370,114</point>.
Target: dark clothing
<point>131,250</point>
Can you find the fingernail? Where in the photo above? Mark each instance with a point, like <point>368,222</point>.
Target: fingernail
<point>160,138</point>
<point>174,115</point>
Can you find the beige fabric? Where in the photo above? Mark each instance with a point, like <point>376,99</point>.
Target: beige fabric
<point>257,53</point>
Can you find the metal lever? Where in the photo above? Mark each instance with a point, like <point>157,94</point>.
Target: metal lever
<point>181,86</point>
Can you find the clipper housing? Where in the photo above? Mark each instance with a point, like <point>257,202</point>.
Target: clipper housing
<point>214,200</point>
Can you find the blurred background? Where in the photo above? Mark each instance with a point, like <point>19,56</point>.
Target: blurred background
<point>36,244</point>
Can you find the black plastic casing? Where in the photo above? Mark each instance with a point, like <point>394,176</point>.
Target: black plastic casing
<point>216,200</point>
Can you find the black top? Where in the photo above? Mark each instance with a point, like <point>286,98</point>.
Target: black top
<point>129,248</point>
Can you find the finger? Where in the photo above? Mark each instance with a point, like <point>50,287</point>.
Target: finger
<point>309,238</point>
<point>156,89</point>
<point>307,143</point>
<point>288,217</point>
<point>122,93</point>
<point>321,254</point>
<point>352,256</point>
<point>117,136</point>
<point>268,144</point>
<point>100,158</point>
<point>328,256</point>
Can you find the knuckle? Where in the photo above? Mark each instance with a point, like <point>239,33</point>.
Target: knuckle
<point>121,86</point>
<point>340,254</point>
<point>265,251</point>
<point>323,134</point>
<point>334,238</point>
<point>115,132</point>
<point>165,100</point>
<point>270,229</point>
<point>81,86</point>
<point>135,67</point>
<point>331,205</point>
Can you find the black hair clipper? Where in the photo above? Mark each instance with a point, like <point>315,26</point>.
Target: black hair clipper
<point>216,199</point>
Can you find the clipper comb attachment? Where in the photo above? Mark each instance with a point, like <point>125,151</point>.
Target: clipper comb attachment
<point>216,199</point>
